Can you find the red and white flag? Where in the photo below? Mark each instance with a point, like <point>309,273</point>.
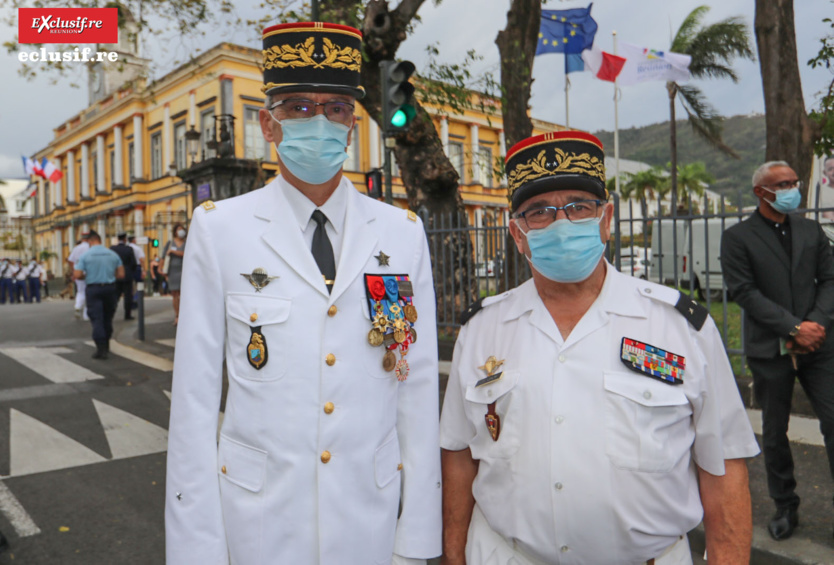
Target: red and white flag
<point>50,171</point>
<point>605,66</point>
<point>37,168</point>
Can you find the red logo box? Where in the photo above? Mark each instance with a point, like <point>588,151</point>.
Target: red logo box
<point>68,25</point>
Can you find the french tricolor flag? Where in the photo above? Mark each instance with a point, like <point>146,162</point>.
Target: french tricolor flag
<point>37,168</point>
<point>50,171</point>
<point>605,66</point>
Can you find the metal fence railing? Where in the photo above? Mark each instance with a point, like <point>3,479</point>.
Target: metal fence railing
<point>679,248</point>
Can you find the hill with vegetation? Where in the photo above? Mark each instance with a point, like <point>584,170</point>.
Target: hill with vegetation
<point>745,134</point>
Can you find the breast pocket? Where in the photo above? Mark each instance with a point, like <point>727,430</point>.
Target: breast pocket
<point>271,348</point>
<point>648,423</point>
<point>507,398</point>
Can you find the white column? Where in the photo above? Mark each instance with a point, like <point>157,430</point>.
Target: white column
<point>476,166</point>
<point>41,197</point>
<point>71,197</point>
<point>444,134</point>
<point>506,217</point>
<point>373,143</point>
<point>118,176</point>
<point>120,224</point>
<point>139,222</point>
<point>192,109</point>
<point>85,170</point>
<point>100,163</point>
<point>138,136</point>
<point>502,150</point>
<point>70,238</point>
<point>101,228</point>
<point>57,187</point>
<point>57,262</point>
<point>167,141</point>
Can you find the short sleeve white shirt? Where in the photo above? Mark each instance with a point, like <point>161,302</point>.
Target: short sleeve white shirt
<point>595,463</point>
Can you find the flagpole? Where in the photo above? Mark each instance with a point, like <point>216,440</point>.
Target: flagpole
<point>567,87</point>
<point>616,127</point>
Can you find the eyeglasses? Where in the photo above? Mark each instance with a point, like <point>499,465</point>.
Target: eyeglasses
<point>299,108</point>
<point>784,185</point>
<point>576,212</point>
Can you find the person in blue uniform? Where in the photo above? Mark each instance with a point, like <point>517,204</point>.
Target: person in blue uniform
<point>99,268</point>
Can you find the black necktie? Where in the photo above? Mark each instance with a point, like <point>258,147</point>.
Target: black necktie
<point>323,250</point>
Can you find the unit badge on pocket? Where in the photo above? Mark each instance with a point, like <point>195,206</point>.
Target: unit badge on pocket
<point>492,419</point>
<point>653,361</point>
<point>256,352</point>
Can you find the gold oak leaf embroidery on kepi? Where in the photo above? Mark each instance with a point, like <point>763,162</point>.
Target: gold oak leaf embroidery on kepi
<point>301,55</point>
<point>565,163</point>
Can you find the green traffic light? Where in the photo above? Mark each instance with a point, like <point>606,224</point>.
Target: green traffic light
<point>399,119</point>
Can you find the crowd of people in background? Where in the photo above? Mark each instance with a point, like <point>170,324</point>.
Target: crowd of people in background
<point>26,281</point>
<point>21,282</point>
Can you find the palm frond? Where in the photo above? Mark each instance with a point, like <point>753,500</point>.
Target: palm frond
<point>714,47</point>
<point>688,29</point>
<point>704,118</point>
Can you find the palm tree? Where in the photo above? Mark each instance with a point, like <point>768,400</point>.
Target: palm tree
<point>693,178</point>
<point>642,185</point>
<point>712,49</point>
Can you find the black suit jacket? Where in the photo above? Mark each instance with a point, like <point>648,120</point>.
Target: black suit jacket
<point>125,253</point>
<point>778,292</point>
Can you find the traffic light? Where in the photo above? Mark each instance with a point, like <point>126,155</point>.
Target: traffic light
<point>397,108</point>
<point>373,182</point>
<point>154,243</point>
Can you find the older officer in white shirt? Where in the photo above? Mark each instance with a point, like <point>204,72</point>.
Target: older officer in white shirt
<point>590,417</point>
<point>328,451</point>
<point>80,284</point>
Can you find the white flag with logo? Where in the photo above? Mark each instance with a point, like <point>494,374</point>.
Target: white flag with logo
<point>644,64</point>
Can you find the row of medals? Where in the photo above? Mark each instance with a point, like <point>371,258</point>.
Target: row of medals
<point>380,335</point>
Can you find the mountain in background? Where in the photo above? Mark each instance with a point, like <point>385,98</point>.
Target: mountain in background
<point>745,134</point>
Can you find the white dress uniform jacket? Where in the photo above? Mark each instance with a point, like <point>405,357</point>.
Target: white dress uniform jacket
<point>319,445</point>
<point>595,463</point>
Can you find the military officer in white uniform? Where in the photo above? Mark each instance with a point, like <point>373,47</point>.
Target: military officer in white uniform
<point>590,417</point>
<point>320,301</point>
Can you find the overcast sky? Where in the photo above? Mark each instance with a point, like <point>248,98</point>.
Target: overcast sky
<point>29,110</point>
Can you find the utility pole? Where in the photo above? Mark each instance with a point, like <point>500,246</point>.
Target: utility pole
<point>314,10</point>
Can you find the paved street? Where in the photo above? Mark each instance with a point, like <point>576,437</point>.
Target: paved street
<point>83,471</point>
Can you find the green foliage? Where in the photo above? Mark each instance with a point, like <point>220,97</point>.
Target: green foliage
<point>823,114</point>
<point>650,144</point>
<point>45,255</point>
<point>450,86</point>
<point>645,184</point>
<point>692,179</point>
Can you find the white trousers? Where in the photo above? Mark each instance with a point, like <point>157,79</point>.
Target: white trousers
<point>81,296</point>
<point>486,547</point>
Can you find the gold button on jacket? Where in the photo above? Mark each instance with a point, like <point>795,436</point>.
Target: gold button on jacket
<point>332,311</point>
<point>325,456</point>
<point>330,359</point>
<point>328,408</point>
<point>223,469</point>
<point>253,318</point>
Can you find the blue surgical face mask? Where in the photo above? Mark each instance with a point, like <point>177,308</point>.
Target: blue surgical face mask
<point>313,149</point>
<point>566,252</point>
<point>786,200</point>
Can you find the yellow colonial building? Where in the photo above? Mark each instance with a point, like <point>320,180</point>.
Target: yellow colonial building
<point>120,156</point>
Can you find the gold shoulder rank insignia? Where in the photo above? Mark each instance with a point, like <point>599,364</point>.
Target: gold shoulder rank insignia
<point>208,205</point>
<point>412,216</point>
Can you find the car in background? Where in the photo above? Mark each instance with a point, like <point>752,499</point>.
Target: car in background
<point>485,269</point>
<point>636,267</point>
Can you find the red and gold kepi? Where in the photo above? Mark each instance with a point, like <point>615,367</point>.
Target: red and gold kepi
<point>563,160</point>
<point>312,57</point>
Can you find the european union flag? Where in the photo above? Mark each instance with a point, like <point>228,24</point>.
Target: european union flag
<point>566,31</point>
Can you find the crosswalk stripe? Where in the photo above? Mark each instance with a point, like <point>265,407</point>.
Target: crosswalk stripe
<point>129,435</point>
<point>36,447</point>
<point>168,342</point>
<point>16,514</point>
<point>137,356</point>
<point>47,362</point>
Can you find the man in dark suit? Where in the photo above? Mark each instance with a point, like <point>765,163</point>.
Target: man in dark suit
<point>124,287</point>
<point>780,270</point>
